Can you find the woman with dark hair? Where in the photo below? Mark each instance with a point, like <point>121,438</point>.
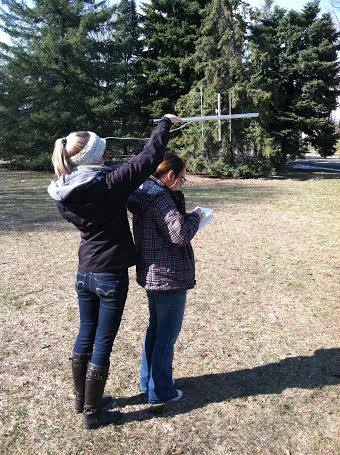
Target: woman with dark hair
<point>165,268</point>
<point>93,197</point>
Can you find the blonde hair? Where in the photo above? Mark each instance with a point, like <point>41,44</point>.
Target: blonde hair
<point>65,148</point>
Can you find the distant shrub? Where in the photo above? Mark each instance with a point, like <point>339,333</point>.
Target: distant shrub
<point>196,165</point>
<point>42,162</point>
<point>218,168</point>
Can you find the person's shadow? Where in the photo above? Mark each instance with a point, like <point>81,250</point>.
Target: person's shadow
<point>319,370</point>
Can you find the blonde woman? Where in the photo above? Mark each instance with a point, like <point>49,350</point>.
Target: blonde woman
<point>93,197</point>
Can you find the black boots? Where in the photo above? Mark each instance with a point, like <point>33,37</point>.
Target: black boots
<point>79,369</point>
<point>94,416</point>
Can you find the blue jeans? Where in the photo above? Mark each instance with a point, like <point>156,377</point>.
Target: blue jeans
<point>101,298</point>
<point>166,316</point>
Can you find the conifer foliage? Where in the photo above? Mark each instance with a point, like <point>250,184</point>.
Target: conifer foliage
<point>125,69</point>
<point>294,78</point>
<point>170,32</point>
<point>52,71</point>
<point>220,69</point>
<point>104,66</point>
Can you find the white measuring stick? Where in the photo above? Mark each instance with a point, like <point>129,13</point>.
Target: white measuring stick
<point>214,117</point>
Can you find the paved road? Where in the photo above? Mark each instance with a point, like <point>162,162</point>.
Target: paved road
<point>316,162</point>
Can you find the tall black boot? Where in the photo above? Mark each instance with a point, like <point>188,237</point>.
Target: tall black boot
<point>79,369</point>
<point>94,416</point>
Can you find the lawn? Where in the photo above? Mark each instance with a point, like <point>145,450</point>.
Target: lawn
<point>258,355</point>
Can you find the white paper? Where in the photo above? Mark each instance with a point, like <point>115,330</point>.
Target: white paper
<point>208,216</point>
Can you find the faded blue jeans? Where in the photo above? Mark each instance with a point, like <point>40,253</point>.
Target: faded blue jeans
<point>165,321</point>
<point>101,298</point>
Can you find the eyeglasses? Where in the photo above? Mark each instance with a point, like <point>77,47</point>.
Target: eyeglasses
<point>182,179</point>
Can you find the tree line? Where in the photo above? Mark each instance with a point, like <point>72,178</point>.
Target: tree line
<point>94,65</point>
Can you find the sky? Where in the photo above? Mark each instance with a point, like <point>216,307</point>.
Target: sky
<point>326,5</point>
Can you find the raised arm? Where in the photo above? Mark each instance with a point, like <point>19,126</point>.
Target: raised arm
<point>133,173</point>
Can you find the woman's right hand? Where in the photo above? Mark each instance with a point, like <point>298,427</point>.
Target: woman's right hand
<point>173,118</point>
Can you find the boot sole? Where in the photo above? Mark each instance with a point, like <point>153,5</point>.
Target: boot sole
<point>94,426</point>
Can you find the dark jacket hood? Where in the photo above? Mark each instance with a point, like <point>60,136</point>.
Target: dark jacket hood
<point>145,195</point>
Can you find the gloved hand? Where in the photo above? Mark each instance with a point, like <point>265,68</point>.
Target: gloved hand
<point>173,118</point>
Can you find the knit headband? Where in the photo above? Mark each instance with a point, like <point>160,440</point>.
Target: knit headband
<point>91,153</point>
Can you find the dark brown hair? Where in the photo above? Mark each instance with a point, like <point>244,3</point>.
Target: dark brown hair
<point>171,162</point>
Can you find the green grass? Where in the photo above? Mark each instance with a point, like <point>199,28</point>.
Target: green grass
<point>258,351</point>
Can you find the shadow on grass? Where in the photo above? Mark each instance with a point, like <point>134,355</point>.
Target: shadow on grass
<point>317,371</point>
<point>29,213</point>
<point>302,175</point>
<point>26,205</point>
<point>215,196</point>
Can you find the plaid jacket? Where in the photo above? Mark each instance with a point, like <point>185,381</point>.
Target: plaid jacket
<point>165,258</point>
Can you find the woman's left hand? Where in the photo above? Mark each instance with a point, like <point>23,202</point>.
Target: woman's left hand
<point>199,212</point>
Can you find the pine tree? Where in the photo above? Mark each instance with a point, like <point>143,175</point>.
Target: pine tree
<point>316,71</point>
<point>295,78</point>
<point>53,71</point>
<point>266,83</point>
<point>220,68</point>
<point>170,32</point>
<point>126,48</point>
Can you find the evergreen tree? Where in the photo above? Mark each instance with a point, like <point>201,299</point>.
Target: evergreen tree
<point>52,76</point>
<point>264,87</point>
<point>170,30</point>
<point>316,72</point>
<point>220,67</point>
<point>125,89</point>
<point>294,79</point>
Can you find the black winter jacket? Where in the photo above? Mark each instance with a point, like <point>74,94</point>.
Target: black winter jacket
<point>98,207</point>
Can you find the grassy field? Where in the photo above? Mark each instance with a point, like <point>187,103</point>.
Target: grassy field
<point>258,356</point>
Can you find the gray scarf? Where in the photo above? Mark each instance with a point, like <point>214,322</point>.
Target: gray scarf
<point>79,176</point>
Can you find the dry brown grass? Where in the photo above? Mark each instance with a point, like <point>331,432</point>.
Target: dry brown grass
<point>256,356</point>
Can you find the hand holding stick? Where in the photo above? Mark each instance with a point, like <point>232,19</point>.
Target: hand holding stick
<point>173,118</point>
